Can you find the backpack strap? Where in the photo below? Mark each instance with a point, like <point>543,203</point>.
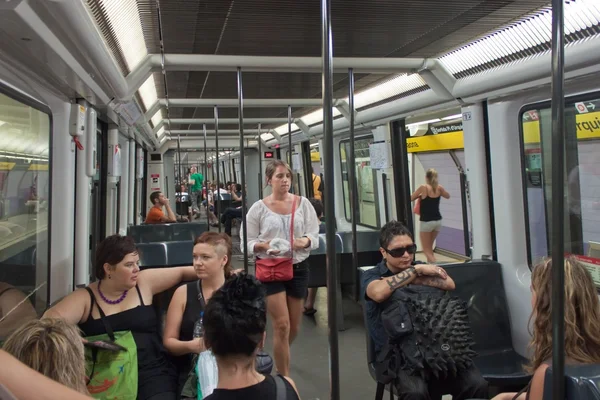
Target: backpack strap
<point>280,389</point>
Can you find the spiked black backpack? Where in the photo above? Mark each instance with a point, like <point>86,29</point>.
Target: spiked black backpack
<point>429,334</point>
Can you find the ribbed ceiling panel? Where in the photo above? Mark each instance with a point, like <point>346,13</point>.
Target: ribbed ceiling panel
<point>376,28</point>
<point>525,37</point>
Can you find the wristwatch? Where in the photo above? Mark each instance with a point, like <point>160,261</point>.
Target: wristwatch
<point>309,242</point>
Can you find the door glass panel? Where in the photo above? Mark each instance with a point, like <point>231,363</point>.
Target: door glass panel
<point>366,182</point>
<point>582,181</point>
<point>24,209</point>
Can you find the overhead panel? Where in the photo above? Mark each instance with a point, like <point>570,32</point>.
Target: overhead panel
<point>525,37</point>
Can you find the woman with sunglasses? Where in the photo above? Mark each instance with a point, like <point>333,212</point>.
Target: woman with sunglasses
<point>397,270</point>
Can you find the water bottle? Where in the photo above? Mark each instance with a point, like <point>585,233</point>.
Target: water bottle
<point>198,328</point>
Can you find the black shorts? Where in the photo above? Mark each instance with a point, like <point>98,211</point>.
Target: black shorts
<point>294,288</point>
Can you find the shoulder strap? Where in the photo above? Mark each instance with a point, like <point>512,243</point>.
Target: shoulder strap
<point>139,294</point>
<point>292,226</point>
<point>526,390</point>
<point>6,290</point>
<point>200,295</point>
<point>280,389</point>
<point>107,326</point>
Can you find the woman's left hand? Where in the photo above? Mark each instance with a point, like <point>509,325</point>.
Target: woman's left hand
<point>301,243</point>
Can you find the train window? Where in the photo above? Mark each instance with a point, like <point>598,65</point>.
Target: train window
<point>365,176</point>
<point>24,211</point>
<point>582,181</point>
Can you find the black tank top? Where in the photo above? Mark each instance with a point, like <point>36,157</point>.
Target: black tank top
<point>430,209</point>
<point>265,390</point>
<point>194,305</point>
<point>156,373</point>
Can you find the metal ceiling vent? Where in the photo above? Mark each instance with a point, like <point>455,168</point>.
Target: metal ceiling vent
<point>121,26</point>
<point>526,37</point>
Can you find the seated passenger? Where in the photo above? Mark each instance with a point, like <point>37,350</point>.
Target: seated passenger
<point>235,322</point>
<point>156,215</point>
<point>123,297</point>
<point>582,323</point>
<point>23,382</point>
<point>398,270</point>
<point>212,263</point>
<point>15,310</point>
<point>235,211</point>
<point>53,348</point>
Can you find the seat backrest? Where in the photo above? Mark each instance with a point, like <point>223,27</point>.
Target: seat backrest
<point>582,382</point>
<point>179,253</point>
<point>479,283</point>
<point>150,233</point>
<point>152,254</point>
<point>322,250</point>
<point>188,231</point>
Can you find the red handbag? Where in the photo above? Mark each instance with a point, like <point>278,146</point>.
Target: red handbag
<point>278,269</point>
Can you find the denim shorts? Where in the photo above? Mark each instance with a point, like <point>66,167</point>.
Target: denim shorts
<point>297,287</point>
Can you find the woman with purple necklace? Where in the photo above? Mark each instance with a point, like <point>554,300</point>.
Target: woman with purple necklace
<point>124,294</point>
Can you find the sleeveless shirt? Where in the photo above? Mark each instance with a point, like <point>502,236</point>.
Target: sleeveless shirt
<point>156,372</point>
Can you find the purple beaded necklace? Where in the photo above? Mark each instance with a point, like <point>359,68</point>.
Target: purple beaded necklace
<point>120,299</point>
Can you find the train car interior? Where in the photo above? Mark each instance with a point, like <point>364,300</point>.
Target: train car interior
<point>105,103</point>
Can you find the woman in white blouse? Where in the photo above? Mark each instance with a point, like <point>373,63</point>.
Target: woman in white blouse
<point>270,219</point>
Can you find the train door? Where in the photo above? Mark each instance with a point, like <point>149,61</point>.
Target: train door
<point>366,179</point>
<point>438,145</point>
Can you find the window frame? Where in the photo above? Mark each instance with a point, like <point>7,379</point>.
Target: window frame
<point>568,100</point>
<point>23,98</point>
<point>377,211</point>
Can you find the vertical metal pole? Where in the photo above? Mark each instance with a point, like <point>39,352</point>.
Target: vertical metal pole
<point>332,281</point>
<point>290,136</point>
<point>179,161</point>
<point>351,166</point>
<point>217,197</point>
<point>206,175</point>
<point>401,175</point>
<point>242,166</point>
<point>260,157</point>
<point>558,200</point>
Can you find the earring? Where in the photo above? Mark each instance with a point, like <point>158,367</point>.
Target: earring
<point>108,276</point>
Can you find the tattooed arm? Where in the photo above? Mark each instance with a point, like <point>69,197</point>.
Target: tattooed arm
<point>380,290</point>
<point>435,281</point>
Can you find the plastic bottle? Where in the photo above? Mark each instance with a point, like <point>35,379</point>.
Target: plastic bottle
<point>198,328</point>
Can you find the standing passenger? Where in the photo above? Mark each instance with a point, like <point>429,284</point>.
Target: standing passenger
<point>270,219</point>
<point>195,181</point>
<point>431,218</point>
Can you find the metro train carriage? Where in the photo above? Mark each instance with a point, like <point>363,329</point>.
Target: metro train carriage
<point>105,102</point>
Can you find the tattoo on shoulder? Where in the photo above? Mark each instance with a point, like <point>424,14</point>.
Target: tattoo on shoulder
<point>400,279</point>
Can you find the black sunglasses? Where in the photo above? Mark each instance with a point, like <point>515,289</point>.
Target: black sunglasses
<point>399,251</point>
